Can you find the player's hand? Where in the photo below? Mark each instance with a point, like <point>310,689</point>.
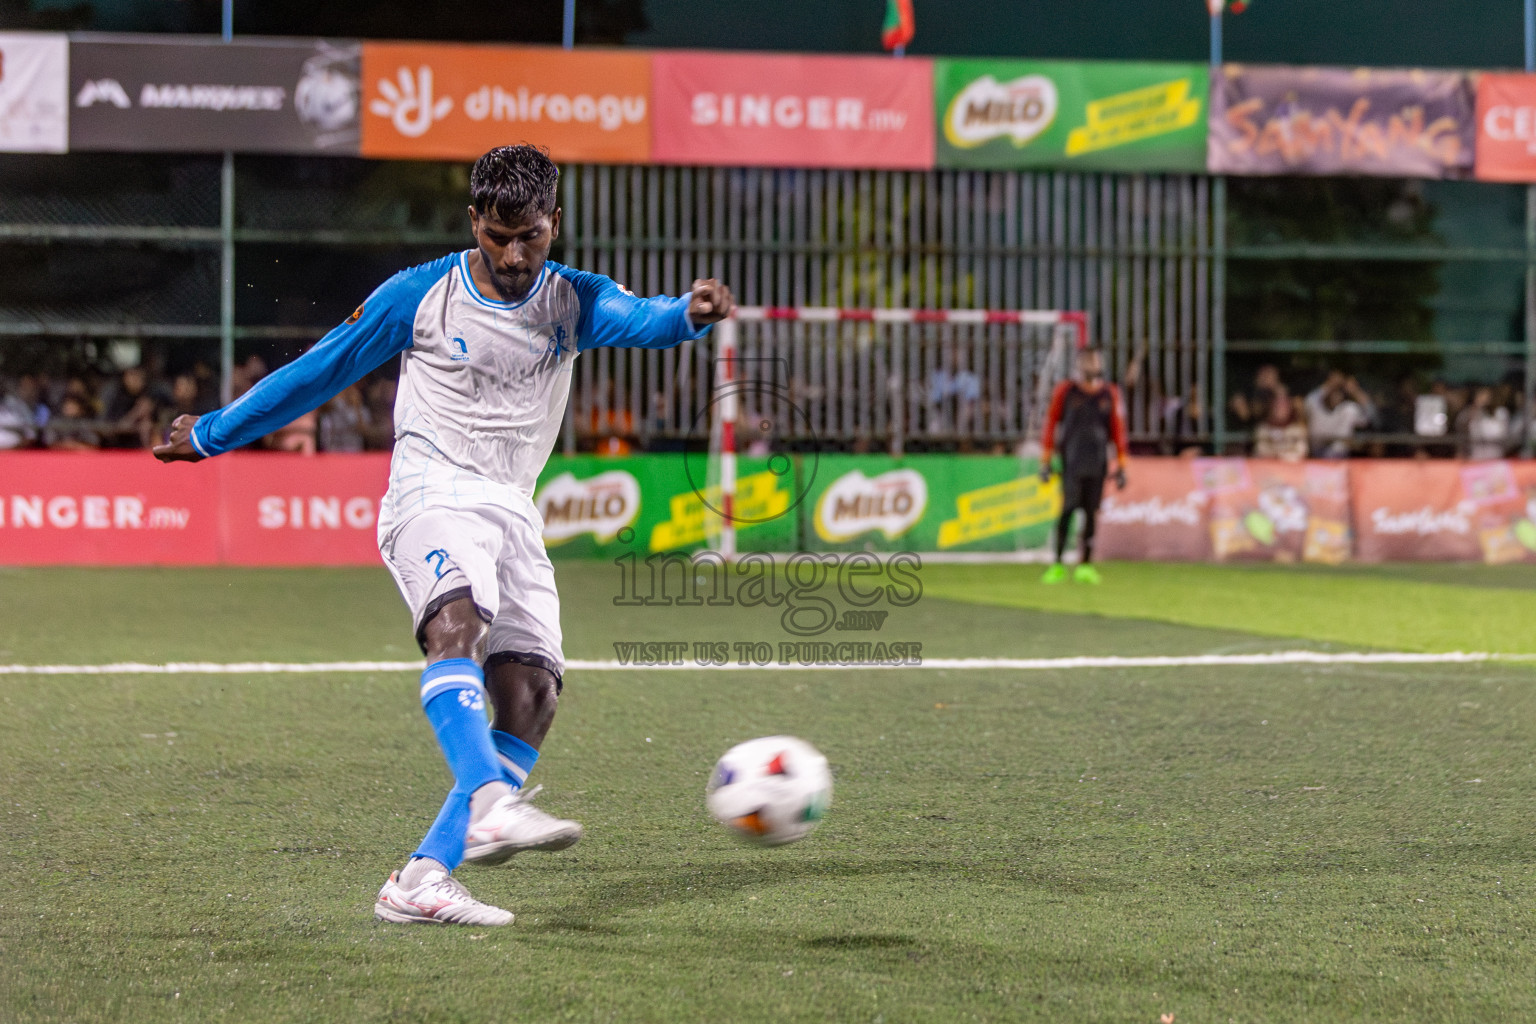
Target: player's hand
<point>178,447</point>
<point>1120,479</point>
<point>710,302</point>
<point>1045,474</point>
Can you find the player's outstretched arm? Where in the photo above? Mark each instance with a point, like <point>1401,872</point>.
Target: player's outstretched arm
<point>612,317</point>
<point>381,328</point>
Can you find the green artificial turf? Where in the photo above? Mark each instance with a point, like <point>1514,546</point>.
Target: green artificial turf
<point>1321,843</point>
<point>1411,609</point>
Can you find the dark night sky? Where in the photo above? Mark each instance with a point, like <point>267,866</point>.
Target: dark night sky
<point>1450,33</point>
<point>1445,33</point>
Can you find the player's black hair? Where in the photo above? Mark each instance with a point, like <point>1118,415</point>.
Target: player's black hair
<point>514,182</point>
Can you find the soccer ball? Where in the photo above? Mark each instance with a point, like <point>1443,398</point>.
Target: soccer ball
<point>771,790</point>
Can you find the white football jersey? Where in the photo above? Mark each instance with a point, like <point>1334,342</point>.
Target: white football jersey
<point>483,384</point>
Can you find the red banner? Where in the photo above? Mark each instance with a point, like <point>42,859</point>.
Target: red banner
<point>792,111</point>
<point>1446,511</point>
<point>124,508</point>
<point>300,510</point>
<point>1506,127</point>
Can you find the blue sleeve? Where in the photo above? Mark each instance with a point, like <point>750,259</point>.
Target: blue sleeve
<point>381,328</point>
<point>611,317</point>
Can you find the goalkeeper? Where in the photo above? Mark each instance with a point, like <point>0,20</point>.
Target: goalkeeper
<point>1086,416</point>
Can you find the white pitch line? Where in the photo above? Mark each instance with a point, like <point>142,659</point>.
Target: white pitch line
<point>223,668</point>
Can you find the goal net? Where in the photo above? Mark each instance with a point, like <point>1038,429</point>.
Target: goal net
<point>892,407</point>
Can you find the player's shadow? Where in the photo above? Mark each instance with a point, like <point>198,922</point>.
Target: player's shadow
<point>595,907</point>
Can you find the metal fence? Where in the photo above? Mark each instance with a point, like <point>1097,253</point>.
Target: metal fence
<point>1133,251</point>
<point>181,251</point>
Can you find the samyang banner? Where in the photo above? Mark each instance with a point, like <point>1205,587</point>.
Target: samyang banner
<point>34,92</point>
<point>200,95</point>
<point>1446,511</point>
<point>793,111</point>
<point>1077,114</point>
<point>425,101</point>
<point>1192,510</point>
<point>1506,127</point>
<point>1320,121</point>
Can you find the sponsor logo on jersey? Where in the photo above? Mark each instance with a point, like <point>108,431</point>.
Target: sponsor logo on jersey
<point>458,350</point>
<point>357,314</point>
<point>892,503</point>
<point>601,505</point>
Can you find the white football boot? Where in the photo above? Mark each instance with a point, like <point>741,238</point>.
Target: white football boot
<point>512,825</point>
<point>439,899</point>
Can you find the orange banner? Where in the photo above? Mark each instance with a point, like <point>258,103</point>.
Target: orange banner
<point>1446,511</point>
<point>1506,127</point>
<point>445,102</point>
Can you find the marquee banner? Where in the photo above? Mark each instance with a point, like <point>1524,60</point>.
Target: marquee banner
<point>1322,121</point>
<point>1093,115</point>
<point>134,94</point>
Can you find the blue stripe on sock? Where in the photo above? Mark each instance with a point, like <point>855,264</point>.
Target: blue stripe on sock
<point>517,758</point>
<point>451,674</point>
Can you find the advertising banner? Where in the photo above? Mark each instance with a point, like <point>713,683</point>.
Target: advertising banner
<point>201,95</point>
<point>1077,114</point>
<point>926,503</point>
<point>445,102</point>
<point>596,506</point>
<point>1229,510</point>
<point>34,92</point>
<point>1311,120</point>
<point>1446,511</point>
<point>1506,127</point>
<point>99,508</point>
<point>277,509</point>
<point>793,111</point>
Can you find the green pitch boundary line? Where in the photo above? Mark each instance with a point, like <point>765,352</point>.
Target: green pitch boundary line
<point>1023,664</point>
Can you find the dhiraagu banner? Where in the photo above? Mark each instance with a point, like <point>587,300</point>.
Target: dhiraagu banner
<point>1071,114</point>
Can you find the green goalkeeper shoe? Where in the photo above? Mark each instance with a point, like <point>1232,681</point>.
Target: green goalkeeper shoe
<point>1086,574</point>
<point>1055,574</point>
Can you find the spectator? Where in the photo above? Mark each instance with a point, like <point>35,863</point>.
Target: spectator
<point>132,409</point>
<point>1335,410</point>
<point>1249,410</point>
<point>73,429</point>
<point>1283,434</point>
<point>1483,427</point>
<point>245,375</point>
<point>345,422</point>
<point>18,419</point>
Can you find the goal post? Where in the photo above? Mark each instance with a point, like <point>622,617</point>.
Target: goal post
<point>807,378</point>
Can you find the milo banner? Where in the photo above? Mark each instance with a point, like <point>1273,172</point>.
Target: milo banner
<point>926,503</point>
<point>1071,114</point>
<point>604,507</point>
<point>1320,121</point>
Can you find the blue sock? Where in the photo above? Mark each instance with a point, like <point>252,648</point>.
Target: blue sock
<point>517,758</point>
<point>453,695</point>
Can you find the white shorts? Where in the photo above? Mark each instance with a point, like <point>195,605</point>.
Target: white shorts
<point>492,556</point>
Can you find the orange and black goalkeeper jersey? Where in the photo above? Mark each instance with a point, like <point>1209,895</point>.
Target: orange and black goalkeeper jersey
<point>1084,422</point>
